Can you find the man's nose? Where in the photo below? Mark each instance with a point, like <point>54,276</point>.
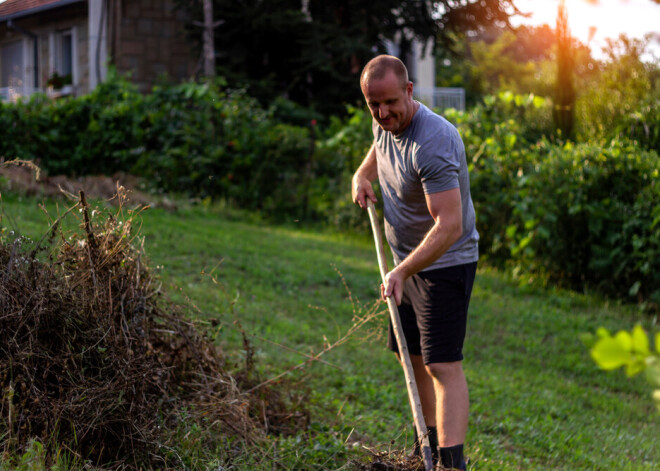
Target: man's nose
<point>383,111</point>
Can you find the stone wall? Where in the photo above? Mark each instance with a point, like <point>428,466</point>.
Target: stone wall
<point>147,39</point>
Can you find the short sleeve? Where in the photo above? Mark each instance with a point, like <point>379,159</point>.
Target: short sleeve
<point>438,165</point>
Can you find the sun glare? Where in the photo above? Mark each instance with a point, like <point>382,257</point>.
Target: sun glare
<point>591,21</point>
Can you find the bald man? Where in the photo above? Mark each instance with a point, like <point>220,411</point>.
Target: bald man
<point>419,160</point>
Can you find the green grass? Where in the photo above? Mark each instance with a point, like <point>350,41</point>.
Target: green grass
<point>537,400</point>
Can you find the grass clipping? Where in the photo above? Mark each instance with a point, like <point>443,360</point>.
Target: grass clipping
<point>93,358</point>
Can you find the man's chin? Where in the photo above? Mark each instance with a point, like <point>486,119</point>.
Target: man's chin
<point>390,126</point>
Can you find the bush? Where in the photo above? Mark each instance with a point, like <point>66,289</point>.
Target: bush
<point>337,156</point>
<point>588,216</point>
<point>500,137</point>
<point>98,133</point>
<point>197,139</point>
<point>622,100</point>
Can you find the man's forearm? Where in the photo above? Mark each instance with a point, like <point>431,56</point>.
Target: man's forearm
<point>365,174</point>
<point>434,245</point>
<point>369,167</point>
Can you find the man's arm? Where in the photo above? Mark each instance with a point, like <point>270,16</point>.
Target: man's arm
<point>446,209</point>
<point>364,175</point>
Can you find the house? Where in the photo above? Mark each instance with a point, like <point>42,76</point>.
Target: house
<point>420,63</point>
<point>65,46</point>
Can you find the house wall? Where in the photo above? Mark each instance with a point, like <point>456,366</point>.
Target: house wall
<point>147,40</point>
<point>43,26</point>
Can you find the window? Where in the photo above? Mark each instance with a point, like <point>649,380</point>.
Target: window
<point>11,65</point>
<point>63,70</point>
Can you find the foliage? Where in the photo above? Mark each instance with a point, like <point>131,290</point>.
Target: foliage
<point>199,139</point>
<point>632,351</point>
<point>587,216</point>
<point>579,215</point>
<point>97,133</point>
<point>338,155</point>
<point>495,66</point>
<point>622,99</point>
<point>522,61</point>
<point>313,53</point>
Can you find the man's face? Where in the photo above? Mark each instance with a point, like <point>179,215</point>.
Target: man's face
<point>389,103</point>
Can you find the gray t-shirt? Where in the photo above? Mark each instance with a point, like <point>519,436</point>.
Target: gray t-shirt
<point>428,157</point>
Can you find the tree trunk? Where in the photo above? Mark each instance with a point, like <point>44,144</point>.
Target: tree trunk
<point>209,49</point>
<point>564,109</point>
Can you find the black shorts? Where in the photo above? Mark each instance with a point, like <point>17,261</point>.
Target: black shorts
<point>433,313</point>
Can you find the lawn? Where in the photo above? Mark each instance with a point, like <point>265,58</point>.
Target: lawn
<point>537,400</point>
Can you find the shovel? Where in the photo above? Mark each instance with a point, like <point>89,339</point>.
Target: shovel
<point>413,393</point>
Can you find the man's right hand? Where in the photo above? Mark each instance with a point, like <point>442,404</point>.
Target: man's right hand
<point>362,190</point>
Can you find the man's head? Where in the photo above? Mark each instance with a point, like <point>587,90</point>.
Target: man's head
<point>388,92</point>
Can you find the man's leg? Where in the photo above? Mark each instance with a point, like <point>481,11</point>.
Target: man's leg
<point>452,408</point>
<point>426,389</point>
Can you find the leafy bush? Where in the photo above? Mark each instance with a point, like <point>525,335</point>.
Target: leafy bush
<point>622,100</point>
<point>588,216</point>
<point>337,156</point>
<point>93,134</point>
<point>197,139</point>
<point>500,136</point>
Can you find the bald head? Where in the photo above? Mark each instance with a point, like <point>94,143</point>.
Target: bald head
<point>378,67</point>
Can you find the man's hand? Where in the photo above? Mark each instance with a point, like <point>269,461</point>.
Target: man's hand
<point>362,190</point>
<point>394,281</point>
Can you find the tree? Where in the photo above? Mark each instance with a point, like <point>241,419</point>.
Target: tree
<point>209,48</point>
<point>312,51</point>
<point>564,108</point>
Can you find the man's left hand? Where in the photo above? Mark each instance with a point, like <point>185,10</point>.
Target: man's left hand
<point>393,285</point>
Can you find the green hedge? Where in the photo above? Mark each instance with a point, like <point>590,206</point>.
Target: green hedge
<point>195,139</point>
<point>589,216</point>
<point>584,216</point>
<point>581,215</point>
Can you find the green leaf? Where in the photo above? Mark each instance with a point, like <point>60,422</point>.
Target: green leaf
<point>634,367</point>
<point>634,289</point>
<point>625,339</point>
<point>653,371</point>
<point>539,102</point>
<point>511,231</point>
<point>657,342</point>
<point>640,341</point>
<point>602,333</point>
<point>656,398</point>
<point>609,353</point>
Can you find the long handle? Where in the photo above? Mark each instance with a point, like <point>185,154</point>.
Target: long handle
<point>413,393</point>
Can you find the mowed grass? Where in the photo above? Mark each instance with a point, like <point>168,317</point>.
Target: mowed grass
<point>537,400</point>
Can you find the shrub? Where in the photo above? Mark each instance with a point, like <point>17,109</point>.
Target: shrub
<point>622,100</point>
<point>587,216</point>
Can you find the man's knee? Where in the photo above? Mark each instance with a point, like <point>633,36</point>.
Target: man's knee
<point>446,372</point>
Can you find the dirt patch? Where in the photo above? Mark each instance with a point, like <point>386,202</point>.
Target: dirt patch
<point>24,178</point>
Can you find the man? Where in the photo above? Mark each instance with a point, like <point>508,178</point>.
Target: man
<point>419,160</point>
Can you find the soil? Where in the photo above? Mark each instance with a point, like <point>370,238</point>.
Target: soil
<point>28,180</point>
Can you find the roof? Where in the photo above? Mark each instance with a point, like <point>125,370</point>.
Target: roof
<point>18,8</point>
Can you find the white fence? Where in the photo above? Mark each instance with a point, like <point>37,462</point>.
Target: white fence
<point>12,94</point>
<point>442,98</point>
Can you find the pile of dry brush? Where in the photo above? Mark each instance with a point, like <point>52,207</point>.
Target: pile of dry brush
<point>95,360</point>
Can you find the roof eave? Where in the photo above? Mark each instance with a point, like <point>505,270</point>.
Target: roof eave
<point>36,10</point>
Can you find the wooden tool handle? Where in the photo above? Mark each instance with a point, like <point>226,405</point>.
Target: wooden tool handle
<point>413,393</point>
